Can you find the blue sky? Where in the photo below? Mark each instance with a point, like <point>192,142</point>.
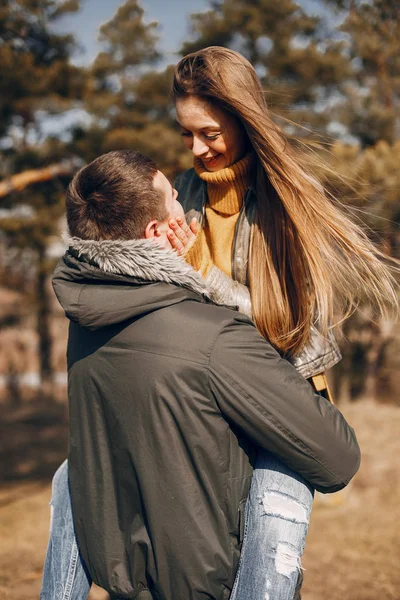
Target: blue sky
<point>172,15</point>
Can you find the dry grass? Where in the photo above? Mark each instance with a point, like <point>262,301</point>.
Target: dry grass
<point>353,546</point>
<point>24,524</point>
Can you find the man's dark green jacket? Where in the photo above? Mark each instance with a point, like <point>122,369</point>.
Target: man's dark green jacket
<point>169,397</point>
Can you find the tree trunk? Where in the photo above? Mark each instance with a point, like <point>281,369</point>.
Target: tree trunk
<point>371,371</point>
<point>43,324</point>
<point>376,357</point>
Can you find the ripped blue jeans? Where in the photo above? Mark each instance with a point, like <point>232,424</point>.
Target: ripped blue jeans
<point>276,521</point>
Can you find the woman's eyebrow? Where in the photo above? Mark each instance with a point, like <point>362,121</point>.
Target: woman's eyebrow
<point>215,127</point>
<point>205,127</point>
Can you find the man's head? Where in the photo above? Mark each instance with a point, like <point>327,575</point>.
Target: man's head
<point>121,196</point>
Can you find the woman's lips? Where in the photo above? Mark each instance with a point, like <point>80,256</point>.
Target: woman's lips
<point>210,161</point>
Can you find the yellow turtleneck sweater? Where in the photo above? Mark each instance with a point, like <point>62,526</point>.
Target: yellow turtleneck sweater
<point>226,190</point>
<point>213,246</point>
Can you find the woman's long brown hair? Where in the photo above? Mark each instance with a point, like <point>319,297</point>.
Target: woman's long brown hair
<point>308,261</point>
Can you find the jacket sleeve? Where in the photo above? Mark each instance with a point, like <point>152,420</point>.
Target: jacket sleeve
<point>266,397</point>
<point>320,354</point>
<point>224,290</point>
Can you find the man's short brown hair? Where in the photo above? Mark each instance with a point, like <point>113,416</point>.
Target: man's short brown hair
<point>113,197</point>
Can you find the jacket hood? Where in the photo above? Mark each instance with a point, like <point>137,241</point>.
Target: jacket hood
<point>107,282</point>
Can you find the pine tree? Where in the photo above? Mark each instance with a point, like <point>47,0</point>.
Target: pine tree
<point>129,100</point>
<point>373,29</point>
<point>37,78</point>
<point>299,61</point>
<point>129,47</point>
<point>35,69</point>
<point>367,182</point>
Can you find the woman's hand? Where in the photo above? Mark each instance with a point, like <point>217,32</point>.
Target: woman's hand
<point>182,236</point>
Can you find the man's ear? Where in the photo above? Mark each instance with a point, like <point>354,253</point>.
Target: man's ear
<point>151,230</point>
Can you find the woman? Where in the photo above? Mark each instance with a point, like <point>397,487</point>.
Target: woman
<point>273,244</point>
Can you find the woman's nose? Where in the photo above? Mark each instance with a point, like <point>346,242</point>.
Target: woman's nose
<point>199,147</point>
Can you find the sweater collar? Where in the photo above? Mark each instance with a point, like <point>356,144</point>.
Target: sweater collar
<point>227,187</point>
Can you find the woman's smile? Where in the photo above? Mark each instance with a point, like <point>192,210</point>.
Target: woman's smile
<point>211,161</point>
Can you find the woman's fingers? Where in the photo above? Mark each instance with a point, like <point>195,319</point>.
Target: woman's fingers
<point>194,226</point>
<point>181,236</point>
<point>184,232</point>
<point>175,242</point>
<point>181,230</point>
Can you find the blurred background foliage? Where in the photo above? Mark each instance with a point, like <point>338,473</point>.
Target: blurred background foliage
<point>332,82</point>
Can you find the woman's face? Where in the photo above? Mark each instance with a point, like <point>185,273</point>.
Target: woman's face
<point>213,135</point>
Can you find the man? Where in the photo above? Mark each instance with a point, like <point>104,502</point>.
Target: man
<point>169,397</point>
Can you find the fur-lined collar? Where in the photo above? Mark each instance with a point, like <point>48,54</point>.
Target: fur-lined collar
<point>138,258</point>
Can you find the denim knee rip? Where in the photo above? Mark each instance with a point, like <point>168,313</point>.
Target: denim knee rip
<point>281,505</point>
<point>287,558</point>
